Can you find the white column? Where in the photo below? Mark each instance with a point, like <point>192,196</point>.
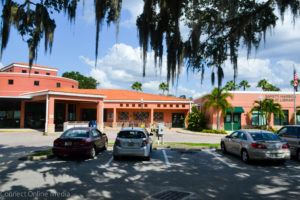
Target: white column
<point>47,107</point>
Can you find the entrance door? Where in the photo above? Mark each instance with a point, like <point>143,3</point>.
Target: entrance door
<point>59,116</point>
<point>35,114</point>
<point>89,114</point>
<point>178,120</point>
<point>232,122</point>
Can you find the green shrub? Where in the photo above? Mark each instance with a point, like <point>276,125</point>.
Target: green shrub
<point>214,131</point>
<point>196,120</point>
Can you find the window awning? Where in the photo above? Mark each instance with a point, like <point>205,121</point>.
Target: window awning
<point>236,110</point>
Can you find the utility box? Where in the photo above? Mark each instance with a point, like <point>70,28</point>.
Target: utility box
<point>160,129</point>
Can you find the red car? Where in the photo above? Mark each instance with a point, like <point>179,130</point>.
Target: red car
<point>85,141</point>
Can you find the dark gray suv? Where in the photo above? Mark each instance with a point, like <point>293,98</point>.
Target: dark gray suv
<point>291,135</point>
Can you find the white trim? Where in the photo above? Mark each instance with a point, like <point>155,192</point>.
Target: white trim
<point>145,101</point>
<point>14,97</point>
<point>34,94</point>
<point>26,66</point>
<point>44,75</point>
<point>47,107</point>
<point>262,92</point>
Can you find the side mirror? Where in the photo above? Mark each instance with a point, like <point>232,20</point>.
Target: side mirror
<point>228,136</point>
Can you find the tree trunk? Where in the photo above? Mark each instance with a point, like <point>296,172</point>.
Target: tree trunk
<point>218,120</point>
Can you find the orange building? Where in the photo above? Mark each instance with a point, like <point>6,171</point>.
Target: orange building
<point>243,102</point>
<point>38,98</point>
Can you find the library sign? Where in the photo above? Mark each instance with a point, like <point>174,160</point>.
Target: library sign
<point>281,98</point>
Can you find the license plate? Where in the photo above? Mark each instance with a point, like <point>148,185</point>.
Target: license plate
<point>130,144</point>
<point>68,143</point>
<point>275,155</point>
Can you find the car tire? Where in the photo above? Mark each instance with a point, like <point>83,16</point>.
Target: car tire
<point>92,153</point>
<point>116,158</point>
<point>223,148</point>
<point>298,155</point>
<point>147,158</point>
<point>245,156</point>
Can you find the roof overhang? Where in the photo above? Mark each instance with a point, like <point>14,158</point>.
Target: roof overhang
<point>145,101</point>
<point>15,97</point>
<point>42,93</point>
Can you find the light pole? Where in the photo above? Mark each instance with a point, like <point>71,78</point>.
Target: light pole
<point>142,116</point>
<point>260,112</point>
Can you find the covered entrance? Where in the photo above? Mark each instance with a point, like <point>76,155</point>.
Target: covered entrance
<point>177,120</point>
<point>232,120</point>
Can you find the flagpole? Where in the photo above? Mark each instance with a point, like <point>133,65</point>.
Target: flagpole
<point>295,88</point>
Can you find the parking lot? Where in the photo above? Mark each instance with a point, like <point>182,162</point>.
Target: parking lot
<point>178,174</point>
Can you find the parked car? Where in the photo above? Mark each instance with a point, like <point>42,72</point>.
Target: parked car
<point>256,145</point>
<point>133,142</point>
<point>85,141</point>
<point>291,135</point>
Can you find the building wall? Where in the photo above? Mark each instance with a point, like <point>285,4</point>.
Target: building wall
<point>24,83</point>
<point>246,101</point>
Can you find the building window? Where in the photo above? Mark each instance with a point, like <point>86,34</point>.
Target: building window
<point>146,105</point>
<point>133,105</point>
<point>48,74</point>
<point>37,83</point>
<point>127,105</point>
<point>10,82</point>
<point>58,85</point>
<point>279,121</point>
<point>36,72</point>
<point>158,105</point>
<point>121,105</point>
<point>24,71</point>
<point>165,105</point>
<point>158,116</point>
<point>141,116</point>
<point>72,86</point>
<point>171,106</point>
<point>177,105</point>
<point>183,105</point>
<point>123,115</point>
<point>110,115</point>
<point>72,112</point>
<point>258,119</point>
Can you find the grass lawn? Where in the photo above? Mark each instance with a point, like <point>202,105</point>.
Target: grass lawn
<point>42,153</point>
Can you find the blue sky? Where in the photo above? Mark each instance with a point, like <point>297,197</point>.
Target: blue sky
<point>120,63</point>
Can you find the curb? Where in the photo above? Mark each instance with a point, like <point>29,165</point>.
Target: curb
<point>188,148</point>
<point>201,134</point>
<point>37,158</point>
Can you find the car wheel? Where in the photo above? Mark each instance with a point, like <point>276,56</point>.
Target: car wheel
<point>147,158</point>
<point>223,148</point>
<point>116,158</point>
<point>105,145</point>
<point>245,156</point>
<point>298,155</point>
<point>92,153</point>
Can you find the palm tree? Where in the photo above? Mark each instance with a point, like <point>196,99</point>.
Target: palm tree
<point>267,107</point>
<point>182,96</point>
<point>217,99</point>
<point>292,84</point>
<point>244,84</point>
<point>137,86</point>
<point>262,83</point>
<point>230,85</point>
<point>270,87</point>
<point>164,87</point>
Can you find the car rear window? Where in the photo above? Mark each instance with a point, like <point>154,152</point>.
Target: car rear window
<point>76,133</point>
<point>264,136</point>
<point>131,134</point>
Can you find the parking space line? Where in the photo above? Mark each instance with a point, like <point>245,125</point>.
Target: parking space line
<point>219,158</point>
<point>109,162</point>
<point>166,158</point>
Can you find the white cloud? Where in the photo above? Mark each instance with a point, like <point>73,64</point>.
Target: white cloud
<point>135,8</point>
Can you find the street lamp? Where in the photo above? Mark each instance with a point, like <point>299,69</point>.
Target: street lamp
<point>260,113</point>
<point>142,116</point>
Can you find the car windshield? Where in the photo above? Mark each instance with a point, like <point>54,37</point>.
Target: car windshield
<point>75,133</point>
<point>264,136</point>
<point>131,134</point>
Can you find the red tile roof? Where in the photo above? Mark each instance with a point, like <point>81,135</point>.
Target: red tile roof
<point>118,94</point>
<point>34,65</point>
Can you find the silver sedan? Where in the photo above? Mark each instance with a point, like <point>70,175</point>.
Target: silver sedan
<point>133,142</point>
<point>256,145</point>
